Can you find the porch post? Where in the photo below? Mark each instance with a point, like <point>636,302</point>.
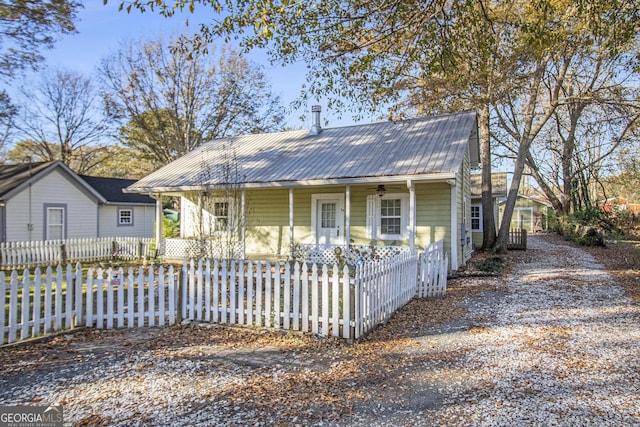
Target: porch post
<point>291,238</point>
<point>347,219</point>
<point>242,218</point>
<point>454,226</point>
<point>412,215</point>
<point>159,224</point>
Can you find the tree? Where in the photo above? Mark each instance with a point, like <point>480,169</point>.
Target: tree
<point>61,119</point>
<point>572,72</point>
<point>379,53</point>
<point>26,26</point>
<point>365,50</point>
<point>171,100</point>
<point>122,162</point>
<point>625,181</point>
<point>7,114</point>
<point>217,215</point>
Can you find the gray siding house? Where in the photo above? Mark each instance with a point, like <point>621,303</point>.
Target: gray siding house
<point>48,201</point>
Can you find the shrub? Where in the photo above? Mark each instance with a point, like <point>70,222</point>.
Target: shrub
<point>494,264</point>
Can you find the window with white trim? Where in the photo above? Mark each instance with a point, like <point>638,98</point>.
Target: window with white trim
<point>221,216</point>
<point>391,216</point>
<point>476,217</point>
<point>388,216</point>
<point>55,223</point>
<point>125,216</point>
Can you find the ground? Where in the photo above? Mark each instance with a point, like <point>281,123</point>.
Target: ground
<point>553,341</point>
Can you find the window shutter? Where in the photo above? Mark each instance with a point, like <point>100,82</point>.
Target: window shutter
<point>373,212</point>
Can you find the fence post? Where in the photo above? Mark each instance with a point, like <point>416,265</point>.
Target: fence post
<point>178,290</point>
<point>63,253</point>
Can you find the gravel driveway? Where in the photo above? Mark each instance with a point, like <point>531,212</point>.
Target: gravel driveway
<point>554,342</point>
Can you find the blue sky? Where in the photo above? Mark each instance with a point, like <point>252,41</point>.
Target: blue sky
<point>102,29</point>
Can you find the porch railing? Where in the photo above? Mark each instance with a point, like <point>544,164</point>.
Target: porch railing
<point>336,254</point>
<point>201,248</point>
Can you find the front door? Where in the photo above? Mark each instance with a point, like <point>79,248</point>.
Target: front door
<point>329,219</point>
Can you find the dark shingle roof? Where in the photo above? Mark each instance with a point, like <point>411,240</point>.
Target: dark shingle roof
<point>12,176</point>
<point>111,189</point>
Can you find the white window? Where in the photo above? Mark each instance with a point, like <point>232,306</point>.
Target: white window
<point>55,217</point>
<point>125,216</point>
<point>388,216</point>
<point>221,216</point>
<point>391,216</point>
<point>476,217</point>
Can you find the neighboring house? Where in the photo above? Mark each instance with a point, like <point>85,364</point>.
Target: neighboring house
<point>122,214</point>
<point>48,201</point>
<point>280,195</point>
<point>533,213</point>
<point>498,192</point>
<point>620,204</point>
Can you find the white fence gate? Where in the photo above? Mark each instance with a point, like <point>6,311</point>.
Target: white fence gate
<point>327,301</point>
<point>434,267</point>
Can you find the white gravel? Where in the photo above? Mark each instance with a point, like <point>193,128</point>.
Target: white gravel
<point>560,346</point>
<point>563,348</point>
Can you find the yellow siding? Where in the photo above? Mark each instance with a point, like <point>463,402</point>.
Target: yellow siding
<point>433,214</point>
<point>467,247</point>
<point>267,222</point>
<point>267,216</point>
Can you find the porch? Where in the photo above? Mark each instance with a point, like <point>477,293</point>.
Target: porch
<point>322,254</point>
<point>334,224</point>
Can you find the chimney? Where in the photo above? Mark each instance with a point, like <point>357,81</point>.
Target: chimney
<point>315,126</point>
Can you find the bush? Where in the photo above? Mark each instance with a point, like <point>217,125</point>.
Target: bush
<point>591,237</point>
<point>589,226</point>
<point>494,264</point>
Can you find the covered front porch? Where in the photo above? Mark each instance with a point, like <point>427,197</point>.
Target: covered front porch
<point>326,224</point>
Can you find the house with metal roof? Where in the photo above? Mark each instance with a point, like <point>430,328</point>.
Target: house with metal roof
<point>325,192</point>
<point>48,201</point>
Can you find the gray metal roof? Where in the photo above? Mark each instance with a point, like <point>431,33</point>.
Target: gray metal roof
<point>498,184</point>
<point>424,146</point>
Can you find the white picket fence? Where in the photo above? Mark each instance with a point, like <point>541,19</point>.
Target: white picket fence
<point>276,295</point>
<point>65,298</point>
<point>381,288</point>
<point>434,267</point>
<point>19,255</point>
<point>326,301</point>
<point>323,300</point>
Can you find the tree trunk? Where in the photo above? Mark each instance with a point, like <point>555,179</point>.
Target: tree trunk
<point>488,220</point>
<point>526,138</point>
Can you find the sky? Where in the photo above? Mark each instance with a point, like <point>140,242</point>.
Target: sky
<point>102,29</point>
